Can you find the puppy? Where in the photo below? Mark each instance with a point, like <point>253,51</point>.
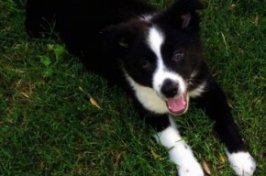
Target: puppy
<point>156,56</point>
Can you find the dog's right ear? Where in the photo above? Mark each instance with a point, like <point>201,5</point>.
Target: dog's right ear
<point>121,37</point>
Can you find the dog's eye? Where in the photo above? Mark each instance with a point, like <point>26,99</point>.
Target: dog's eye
<point>145,64</point>
<point>178,55</point>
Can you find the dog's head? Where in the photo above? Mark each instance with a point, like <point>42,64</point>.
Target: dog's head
<point>160,54</point>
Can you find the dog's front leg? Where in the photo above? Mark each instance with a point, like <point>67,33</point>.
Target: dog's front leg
<point>213,101</point>
<point>179,152</point>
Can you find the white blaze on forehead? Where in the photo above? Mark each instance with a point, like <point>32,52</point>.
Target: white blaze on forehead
<point>155,41</point>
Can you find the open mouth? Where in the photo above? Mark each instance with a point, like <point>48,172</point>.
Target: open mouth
<point>178,105</point>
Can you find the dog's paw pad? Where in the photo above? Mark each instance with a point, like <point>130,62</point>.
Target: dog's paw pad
<point>242,163</point>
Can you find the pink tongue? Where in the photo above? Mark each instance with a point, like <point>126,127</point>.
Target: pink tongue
<point>176,105</point>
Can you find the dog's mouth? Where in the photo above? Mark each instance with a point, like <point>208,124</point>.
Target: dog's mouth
<point>178,105</point>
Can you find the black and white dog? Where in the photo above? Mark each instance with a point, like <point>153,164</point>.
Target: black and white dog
<point>154,55</point>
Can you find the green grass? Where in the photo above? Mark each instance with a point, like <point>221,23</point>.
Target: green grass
<point>48,126</point>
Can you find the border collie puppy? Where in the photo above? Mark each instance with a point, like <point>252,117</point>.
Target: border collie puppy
<point>154,55</point>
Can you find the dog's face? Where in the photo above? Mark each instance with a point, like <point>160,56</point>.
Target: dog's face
<point>160,57</point>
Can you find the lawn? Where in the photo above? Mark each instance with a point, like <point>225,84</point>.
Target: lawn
<point>48,126</point>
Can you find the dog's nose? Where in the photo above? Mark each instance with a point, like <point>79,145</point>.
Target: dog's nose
<point>169,88</point>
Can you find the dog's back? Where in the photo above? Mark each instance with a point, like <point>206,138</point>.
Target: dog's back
<point>79,24</point>
<point>81,19</point>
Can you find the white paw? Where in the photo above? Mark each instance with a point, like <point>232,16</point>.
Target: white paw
<point>190,169</point>
<point>242,163</point>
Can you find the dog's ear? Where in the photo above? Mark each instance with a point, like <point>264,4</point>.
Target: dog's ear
<point>183,13</point>
<point>121,37</point>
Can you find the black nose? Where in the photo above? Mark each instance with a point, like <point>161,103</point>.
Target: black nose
<point>169,88</point>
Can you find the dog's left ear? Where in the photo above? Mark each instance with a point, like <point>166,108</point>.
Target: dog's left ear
<point>183,13</point>
<point>121,36</point>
